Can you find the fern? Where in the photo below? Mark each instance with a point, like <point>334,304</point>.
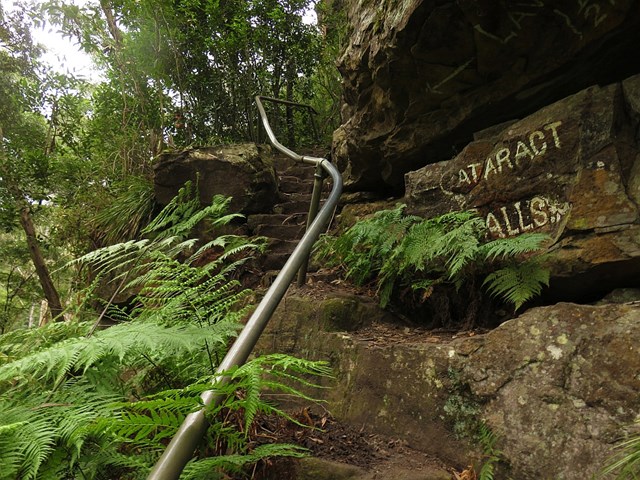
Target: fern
<point>268,372</point>
<point>214,468</point>
<point>517,283</point>
<point>19,343</point>
<point>78,402</point>
<point>184,212</point>
<point>45,426</point>
<point>121,343</point>
<point>504,248</point>
<point>398,251</point>
<point>492,456</point>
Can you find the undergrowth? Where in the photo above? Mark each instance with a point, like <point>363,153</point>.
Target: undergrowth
<point>82,401</point>
<point>625,463</point>
<point>412,260</point>
<point>463,411</point>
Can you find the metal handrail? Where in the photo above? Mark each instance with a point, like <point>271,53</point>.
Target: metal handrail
<point>183,444</point>
<point>312,111</point>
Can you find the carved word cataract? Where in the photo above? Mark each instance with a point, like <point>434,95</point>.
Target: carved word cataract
<point>534,145</point>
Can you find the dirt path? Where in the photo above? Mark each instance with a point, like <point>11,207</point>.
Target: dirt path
<point>340,451</point>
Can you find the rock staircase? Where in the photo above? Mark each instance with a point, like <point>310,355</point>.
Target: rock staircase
<point>285,225</point>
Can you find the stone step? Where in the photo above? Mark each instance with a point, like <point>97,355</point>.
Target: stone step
<point>283,232</point>
<point>288,184</point>
<point>274,261</point>
<point>301,171</point>
<point>277,245</point>
<point>295,197</point>
<point>253,221</point>
<point>297,206</point>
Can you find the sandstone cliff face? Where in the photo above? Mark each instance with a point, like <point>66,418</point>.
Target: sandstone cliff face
<point>421,76</point>
<point>529,113</point>
<point>570,169</point>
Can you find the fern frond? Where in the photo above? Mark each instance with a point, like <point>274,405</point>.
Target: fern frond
<point>459,242</point>
<point>517,283</point>
<point>513,246</point>
<point>251,402</point>
<point>19,343</point>
<point>276,373</point>
<point>210,467</point>
<point>184,212</point>
<point>117,342</point>
<point>492,456</point>
<point>487,470</point>
<point>133,466</point>
<point>27,448</point>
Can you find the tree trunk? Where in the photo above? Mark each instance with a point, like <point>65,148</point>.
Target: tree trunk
<point>291,135</point>
<point>114,30</point>
<point>50,292</point>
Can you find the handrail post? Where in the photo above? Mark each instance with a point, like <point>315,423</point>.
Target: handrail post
<point>183,444</point>
<point>318,179</point>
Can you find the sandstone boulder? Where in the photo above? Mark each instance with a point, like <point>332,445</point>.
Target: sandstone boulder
<point>239,171</point>
<point>420,77</point>
<point>572,170</point>
<point>560,386</point>
<point>557,385</point>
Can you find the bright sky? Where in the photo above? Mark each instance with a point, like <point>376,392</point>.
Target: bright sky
<point>61,53</point>
<point>65,56</point>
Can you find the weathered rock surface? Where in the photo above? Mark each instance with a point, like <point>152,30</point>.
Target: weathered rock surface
<point>558,385</point>
<point>396,391</point>
<point>240,171</point>
<point>572,170</point>
<point>421,76</point>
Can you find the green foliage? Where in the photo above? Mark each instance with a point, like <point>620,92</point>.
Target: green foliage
<point>184,73</point>
<point>128,211</point>
<point>625,464</point>
<point>214,468</point>
<point>80,402</point>
<point>518,282</point>
<point>492,456</point>
<point>184,212</point>
<point>19,292</point>
<point>462,409</point>
<point>407,252</point>
<point>118,344</point>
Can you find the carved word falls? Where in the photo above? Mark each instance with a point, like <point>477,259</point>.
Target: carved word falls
<point>525,216</point>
